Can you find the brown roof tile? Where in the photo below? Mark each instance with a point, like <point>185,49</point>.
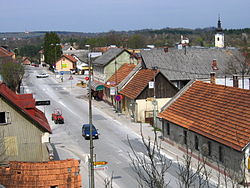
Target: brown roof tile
<point>63,173</point>
<point>217,112</point>
<point>138,83</point>
<point>70,58</point>
<point>5,53</point>
<point>120,74</point>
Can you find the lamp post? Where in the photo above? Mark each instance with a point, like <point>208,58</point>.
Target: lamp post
<point>91,146</point>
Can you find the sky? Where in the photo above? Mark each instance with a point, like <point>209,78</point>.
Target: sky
<point>120,15</point>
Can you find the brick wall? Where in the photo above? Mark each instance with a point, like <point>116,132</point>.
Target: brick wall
<point>62,174</point>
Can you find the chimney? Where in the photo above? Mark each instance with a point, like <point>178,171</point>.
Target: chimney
<point>235,81</point>
<point>212,77</point>
<point>214,64</point>
<point>166,49</point>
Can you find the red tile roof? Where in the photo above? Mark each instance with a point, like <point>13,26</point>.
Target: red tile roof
<point>120,75</point>
<point>138,83</point>
<point>5,53</point>
<point>25,103</point>
<point>217,112</point>
<point>63,173</point>
<point>70,58</point>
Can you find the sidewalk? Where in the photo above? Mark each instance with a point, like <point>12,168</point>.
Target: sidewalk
<point>170,150</point>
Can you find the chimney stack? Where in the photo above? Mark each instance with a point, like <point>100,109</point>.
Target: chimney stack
<point>212,77</point>
<point>214,64</point>
<point>235,81</point>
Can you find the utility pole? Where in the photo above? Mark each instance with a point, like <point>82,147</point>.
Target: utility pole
<point>91,146</point>
<point>154,102</point>
<point>116,87</point>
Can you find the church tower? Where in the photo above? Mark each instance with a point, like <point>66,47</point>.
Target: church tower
<point>219,36</point>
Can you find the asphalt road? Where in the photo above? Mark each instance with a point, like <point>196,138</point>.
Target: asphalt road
<point>112,145</point>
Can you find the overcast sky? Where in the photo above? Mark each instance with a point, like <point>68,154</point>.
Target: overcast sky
<point>120,15</point>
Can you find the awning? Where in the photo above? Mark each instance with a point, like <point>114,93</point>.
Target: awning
<point>97,86</point>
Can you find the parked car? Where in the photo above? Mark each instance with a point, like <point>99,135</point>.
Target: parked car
<point>43,75</point>
<point>86,131</point>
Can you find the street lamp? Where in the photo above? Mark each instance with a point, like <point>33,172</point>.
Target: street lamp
<point>91,146</point>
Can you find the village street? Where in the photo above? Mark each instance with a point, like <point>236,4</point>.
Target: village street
<point>112,145</point>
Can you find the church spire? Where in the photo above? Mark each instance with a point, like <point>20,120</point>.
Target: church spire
<point>219,35</point>
<point>219,28</point>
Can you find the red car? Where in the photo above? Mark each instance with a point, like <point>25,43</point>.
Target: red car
<point>57,117</point>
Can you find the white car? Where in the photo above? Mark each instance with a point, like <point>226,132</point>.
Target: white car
<point>43,75</point>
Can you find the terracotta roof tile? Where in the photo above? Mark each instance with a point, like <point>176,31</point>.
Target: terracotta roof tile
<point>26,103</point>
<point>138,83</point>
<point>217,112</point>
<point>63,173</point>
<point>70,58</point>
<point>5,53</point>
<point>120,74</point>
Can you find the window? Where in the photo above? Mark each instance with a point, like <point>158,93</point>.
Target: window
<point>220,154</point>
<point>209,148</point>
<point>168,128</point>
<point>4,117</point>
<point>196,143</point>
<point>218,39</point>
<point>185,137</point>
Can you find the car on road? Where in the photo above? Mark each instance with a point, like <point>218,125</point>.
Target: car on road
<point>57,117</point>
<point>86,131</point>
<point>43,75</point>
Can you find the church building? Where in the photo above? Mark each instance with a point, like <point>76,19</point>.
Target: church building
<point>219,36</point>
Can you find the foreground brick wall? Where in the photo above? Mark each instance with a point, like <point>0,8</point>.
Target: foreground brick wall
<point>63,174</point>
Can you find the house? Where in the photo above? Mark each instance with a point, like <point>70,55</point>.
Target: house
<point>41,57</point>
<point>62,173</point>
<point>24,130</point>
<point>107,64</point>
<point>26,61</point>
<point>210,119</point>
<point>66,64</point>
<point>182,65</point>
<point>115,80</point>
<point>6,55</point>
<point>68,48</point>
<point>144,94</point>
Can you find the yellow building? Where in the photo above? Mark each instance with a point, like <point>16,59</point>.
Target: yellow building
<point>66,64</point>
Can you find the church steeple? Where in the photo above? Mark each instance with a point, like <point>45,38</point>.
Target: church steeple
<point>219,36</point>
<point>219,28</point>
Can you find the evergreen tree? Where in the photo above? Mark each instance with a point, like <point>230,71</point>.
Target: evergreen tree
<point>52,48</point>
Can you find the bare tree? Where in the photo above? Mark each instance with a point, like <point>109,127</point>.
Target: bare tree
<point>239,64</point>
<point>193,173</point>
<point>152,166</point>
<point>12,73</point>
<point>232,176</point>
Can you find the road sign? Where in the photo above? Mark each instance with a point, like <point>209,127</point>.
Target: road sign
<point>100,167</point>
<point>40,103</point>
<point>112,90</point>
<point>86,78</point>
<point>71,77</point>
<point>100,163</point>
<point>151,85</point>
<point>118,97</point>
